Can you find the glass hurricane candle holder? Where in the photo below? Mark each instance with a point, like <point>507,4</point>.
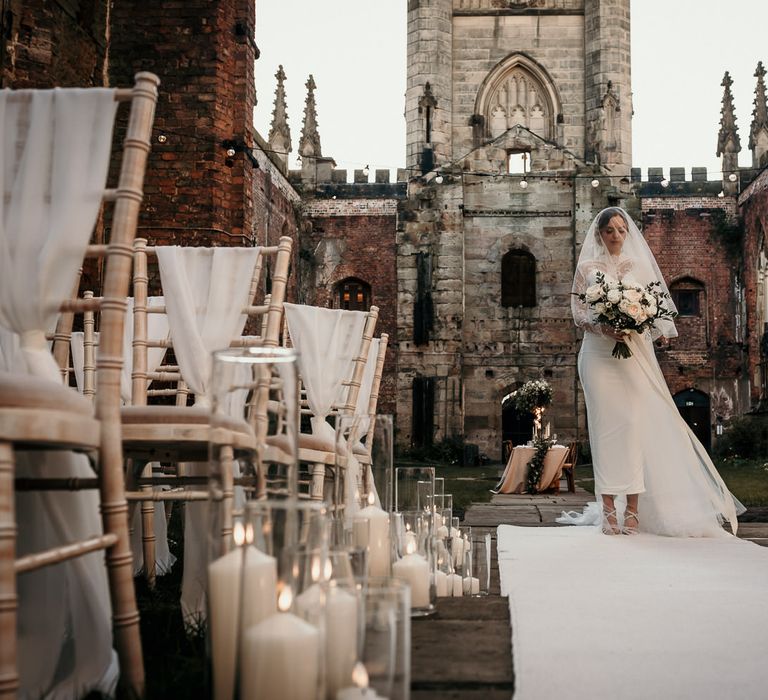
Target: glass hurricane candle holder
<point>364,461</point>
<point>254,397</point>
<point>416,562</point>
<point>408,492</point>
<point>477,567</point>
<point>386,649</point>
<point>290,536</point>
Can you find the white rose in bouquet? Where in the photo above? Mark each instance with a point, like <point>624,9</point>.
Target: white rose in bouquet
<point>633,294</point>
<point>614,295</point>
<point>633,309</point>
<point>594,293</point>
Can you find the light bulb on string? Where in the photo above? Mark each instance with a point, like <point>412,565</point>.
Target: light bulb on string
<point>665,182</point>
<point>162,138</point>
<point>231,152</point>
<point>523,184</point>
<point>595,183</point>
<point>733,177</point>
<point>439,179</point>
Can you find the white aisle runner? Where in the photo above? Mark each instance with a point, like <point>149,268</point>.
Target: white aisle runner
<point>631,618</point>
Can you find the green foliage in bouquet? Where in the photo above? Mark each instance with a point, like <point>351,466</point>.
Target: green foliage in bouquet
<point>536,393</point>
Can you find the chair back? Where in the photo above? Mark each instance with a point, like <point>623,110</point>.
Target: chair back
<point>266,309</point>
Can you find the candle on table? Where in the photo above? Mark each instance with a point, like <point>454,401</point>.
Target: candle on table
<point>281,659</point>
<point>471,585</point>
<point>441,584</point>
<point>340,631</point>
<point>378,538</point>
<point>457,549</point>
<point>455,585</point>
<point>414,569</point>
<point>259,591</point>
<point>360,691</point>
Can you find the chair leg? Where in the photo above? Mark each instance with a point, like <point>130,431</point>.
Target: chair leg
<point>228,495</point>
<point>317,490</point>
<point>571,481</point>
<point>148,532</point>
<point>125,615</point>
<point>9,602</point>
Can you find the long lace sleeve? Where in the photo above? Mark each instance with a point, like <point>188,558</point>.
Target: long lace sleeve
<point>582,316</point>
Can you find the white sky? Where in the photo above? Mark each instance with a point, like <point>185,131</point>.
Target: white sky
<point>356,50</point>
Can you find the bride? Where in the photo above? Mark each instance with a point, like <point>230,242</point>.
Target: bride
<point>643,453</point>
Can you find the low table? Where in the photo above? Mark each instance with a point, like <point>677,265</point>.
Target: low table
<point>516,471</point>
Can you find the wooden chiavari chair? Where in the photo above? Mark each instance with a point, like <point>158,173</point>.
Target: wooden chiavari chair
<point>159,426</point>
<point>43,416</point>
<point>322,482</point>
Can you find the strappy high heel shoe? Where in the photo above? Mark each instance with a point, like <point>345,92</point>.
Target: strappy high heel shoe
<point>610,522</point>
<point>633,527</point>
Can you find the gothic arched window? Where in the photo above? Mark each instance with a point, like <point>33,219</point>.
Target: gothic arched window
<point>687,295</point>
<point>518,91</point>
<point>518,279</point>
<point>353,294</point>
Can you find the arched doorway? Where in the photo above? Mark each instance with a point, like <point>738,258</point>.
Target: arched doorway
<point>694,408</point>
<point>515,427</point>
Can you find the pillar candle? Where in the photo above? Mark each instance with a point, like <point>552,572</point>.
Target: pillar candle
<point>340,631</point>
<point>471,585</point>
<point>457,550</point>
<point>441,584</point>
<point>281,659</point>
<point>455,585</point>
<point>378,540</point>
<point>259,593</point>
<point>341,639</point>
<point>414,569</point>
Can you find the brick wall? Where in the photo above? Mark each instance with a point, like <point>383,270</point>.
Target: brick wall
<point>754,214</point>
<point>194,193</point>
<point>362,246</point>
<point>53,42</point>
<point>681,233</point>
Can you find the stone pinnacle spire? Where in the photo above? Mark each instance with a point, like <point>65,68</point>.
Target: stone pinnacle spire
<point>758,133</point>
<point>728,143</point>
<point>728,139</point>
<point>280,133</point>
<point>310,138</point>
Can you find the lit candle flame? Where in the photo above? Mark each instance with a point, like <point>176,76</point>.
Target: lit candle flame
<point>285,599</point>
<point>238,534</point>
<point>410,548</point>
<point>328,570</point>
<point>249,533</point>
<point>371,498</point>
<point>315,570</point>
<point>360,676</point>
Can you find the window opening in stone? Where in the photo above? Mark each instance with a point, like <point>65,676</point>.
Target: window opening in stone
<point>353,294</point>
<point>517,162</point>
<point>686,294</point>
<point>518,279</point>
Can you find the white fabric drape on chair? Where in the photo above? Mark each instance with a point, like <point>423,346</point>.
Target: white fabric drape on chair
<point>327,341</point>
<point>157,327</point>
<point>54,154</point>
<point>205,292</point>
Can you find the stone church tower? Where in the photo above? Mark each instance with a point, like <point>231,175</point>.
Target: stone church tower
<point>518,117</point>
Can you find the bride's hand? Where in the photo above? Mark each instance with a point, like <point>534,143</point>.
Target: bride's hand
<point>610,332</point>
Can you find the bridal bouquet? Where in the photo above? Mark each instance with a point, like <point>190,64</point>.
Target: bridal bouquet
<point>626,307</point>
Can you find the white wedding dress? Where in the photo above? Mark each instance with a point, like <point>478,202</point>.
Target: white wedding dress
<point>639,442</point>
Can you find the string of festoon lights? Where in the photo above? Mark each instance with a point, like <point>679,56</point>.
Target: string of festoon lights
<point>437,175</point>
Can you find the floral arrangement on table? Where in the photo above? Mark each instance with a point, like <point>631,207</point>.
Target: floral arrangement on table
<point>536,465</point>
<point>534,394</point>
<point>626,307</point>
